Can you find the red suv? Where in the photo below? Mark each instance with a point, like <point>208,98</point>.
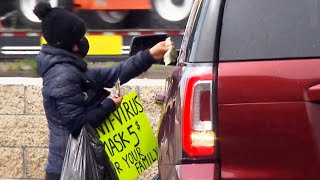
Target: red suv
<point>244,99</point>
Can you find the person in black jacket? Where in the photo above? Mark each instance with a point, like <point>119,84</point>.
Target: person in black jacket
<point>73,95</point>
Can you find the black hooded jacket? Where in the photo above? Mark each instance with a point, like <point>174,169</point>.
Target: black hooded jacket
<point>73,95</point>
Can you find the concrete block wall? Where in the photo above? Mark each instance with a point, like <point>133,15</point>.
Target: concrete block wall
<point>23,125</point>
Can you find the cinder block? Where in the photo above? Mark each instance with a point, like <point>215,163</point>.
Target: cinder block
<point>11,163</point>
<point>147,97</point>
<point>31,130</point>
<point>23,131</point>
<point>36,159</point>
<point>12,99</point>
<point>34,100</point>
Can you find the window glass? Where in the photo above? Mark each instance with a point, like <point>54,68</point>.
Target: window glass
<point>189,31</point>
<point>270,29</point>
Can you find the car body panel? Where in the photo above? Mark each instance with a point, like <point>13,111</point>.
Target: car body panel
<point>270,81</point>
<point>170,126</point>
<point>265,111</point>
<point>170,132</point>
<point>267,126</point>
<point>189,171</point>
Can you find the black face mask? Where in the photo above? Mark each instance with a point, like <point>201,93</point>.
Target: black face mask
<point>83,47</point>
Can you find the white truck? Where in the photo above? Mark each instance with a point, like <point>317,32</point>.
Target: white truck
<point>111,23</point>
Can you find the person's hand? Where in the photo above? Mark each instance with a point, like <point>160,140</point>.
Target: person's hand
<point>116,100</point>
<point>158,50</point>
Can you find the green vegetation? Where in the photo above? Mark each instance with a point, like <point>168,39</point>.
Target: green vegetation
<point>18,65</point>
<point>27,68</point>
<point>28,62</point>
<point>110,64</point>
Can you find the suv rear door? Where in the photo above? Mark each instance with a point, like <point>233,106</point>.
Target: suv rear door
<point>186,137</point>
<point>269,90</point>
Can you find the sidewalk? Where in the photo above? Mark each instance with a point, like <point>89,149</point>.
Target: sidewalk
<point>38,82</point>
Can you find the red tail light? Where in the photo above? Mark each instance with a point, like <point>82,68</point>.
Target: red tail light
<point>198,137</point>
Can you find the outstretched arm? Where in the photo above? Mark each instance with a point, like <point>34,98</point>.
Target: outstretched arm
<point>130,68</point>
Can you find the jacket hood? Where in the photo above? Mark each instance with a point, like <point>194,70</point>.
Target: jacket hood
<point>50,56</point>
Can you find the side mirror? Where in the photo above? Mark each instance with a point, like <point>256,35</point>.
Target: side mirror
<point>140,43</point>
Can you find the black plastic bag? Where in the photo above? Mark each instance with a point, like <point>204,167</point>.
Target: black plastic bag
<point>86,159</point>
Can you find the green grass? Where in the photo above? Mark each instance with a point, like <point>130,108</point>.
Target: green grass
<point>28,62</point>
<point>110,64</point>
<point>17,65</point>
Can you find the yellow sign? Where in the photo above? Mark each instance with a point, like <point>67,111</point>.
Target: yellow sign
<point>105,44</point>
<point>128,139</point>
<point>101,44</point>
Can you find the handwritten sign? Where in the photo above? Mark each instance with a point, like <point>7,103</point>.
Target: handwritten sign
<point>128,139</point>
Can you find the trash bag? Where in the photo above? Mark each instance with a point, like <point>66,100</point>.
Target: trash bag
<point>86,159</point>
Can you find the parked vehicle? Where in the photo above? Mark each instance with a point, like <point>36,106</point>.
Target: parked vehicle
<point>244,99</point>
<point>111,14</point>
<point>111,24</point>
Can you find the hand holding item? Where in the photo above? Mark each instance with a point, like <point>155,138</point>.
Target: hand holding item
<point>116,99</point>
<point>158,50</point>
<point>171,54</point>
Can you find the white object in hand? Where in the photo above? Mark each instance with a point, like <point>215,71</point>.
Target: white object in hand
<point>117,88</point>
<point>171,54</point>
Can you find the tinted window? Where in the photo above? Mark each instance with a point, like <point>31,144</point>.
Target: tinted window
<point>269,29</point>
<point>188,37</point>
<point>200,49</point>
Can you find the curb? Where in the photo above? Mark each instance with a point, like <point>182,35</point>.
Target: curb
<point>38,82</point>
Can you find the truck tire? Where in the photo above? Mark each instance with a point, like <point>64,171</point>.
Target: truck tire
<point>110,19</point>
<point>26,17</point>
<point>9,7</point>
<point>8,15</point>
<point>165,14</point>
<point>171,14</point>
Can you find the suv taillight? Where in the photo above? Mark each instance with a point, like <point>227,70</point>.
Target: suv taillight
<point>198,134</point>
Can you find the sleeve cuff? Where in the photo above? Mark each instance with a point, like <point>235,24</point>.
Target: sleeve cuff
<point>108,104</point>
<point>147,56</point>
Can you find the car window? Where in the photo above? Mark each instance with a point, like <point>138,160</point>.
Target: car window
<point>272,29</point>
<point>189,31</point>
<point>200,47</point>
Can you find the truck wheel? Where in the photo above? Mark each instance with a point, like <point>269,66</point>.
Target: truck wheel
<point>173,10</point>
<point>171,13</point>
<point>109,19</point>
<point>112,17</point>
<point>27,19</point>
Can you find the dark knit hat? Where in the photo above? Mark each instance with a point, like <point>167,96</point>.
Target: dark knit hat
<point>60,28</point>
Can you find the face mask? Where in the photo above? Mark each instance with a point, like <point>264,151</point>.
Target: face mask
<point>83,47</point>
